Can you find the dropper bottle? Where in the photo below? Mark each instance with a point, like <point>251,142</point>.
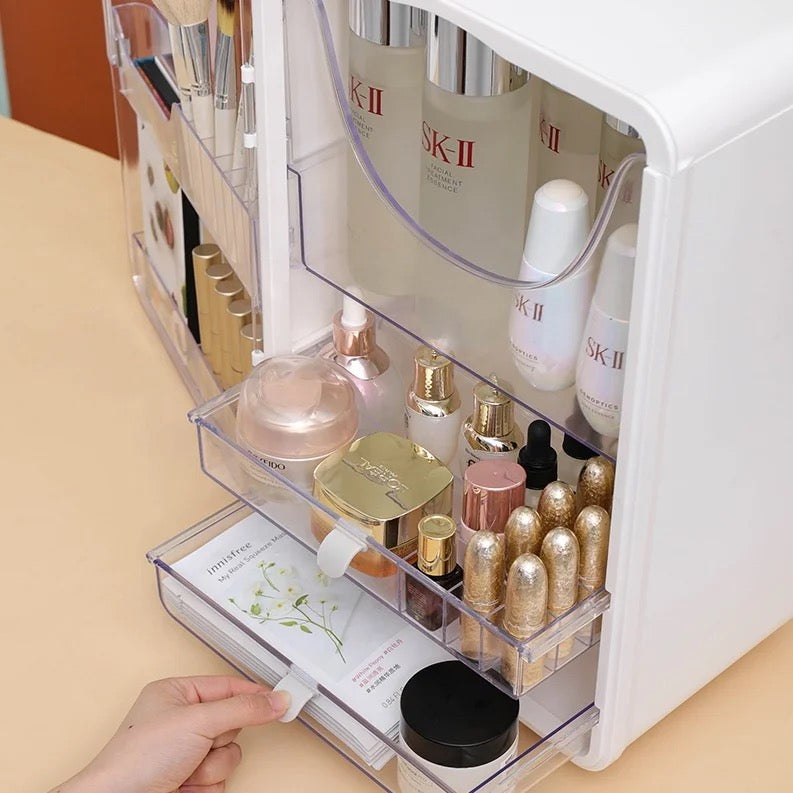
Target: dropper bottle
<point>538,459</point>
<point>354,348</point>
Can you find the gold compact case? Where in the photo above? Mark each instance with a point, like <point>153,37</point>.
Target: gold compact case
<point>386,485</point>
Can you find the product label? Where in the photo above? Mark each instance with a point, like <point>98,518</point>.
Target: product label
<point>300,472</point>
<point>446,149</point>
<point>630,188</point>
<point>469,455</point>
<point>600,373</point>
<point>366,102</point>
<point>550,135</point>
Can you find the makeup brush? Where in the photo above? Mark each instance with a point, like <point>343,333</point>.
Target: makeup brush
<point>180,65</point>
<point>192,16</point>
<point>225,79</point>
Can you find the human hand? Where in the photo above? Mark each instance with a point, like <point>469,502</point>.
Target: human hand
<point>179,736</point>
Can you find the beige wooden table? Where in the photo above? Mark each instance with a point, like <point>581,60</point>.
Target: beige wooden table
<point>99,464</point>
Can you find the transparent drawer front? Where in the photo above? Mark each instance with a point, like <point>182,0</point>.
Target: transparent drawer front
<point>448,273</point>
<point>376,753</point>
<point>476,639</point>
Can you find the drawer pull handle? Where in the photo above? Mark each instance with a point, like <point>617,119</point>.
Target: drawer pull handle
<point>336,552</point>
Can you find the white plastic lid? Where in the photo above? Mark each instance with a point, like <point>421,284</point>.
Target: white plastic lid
<point>558,226</point>
<point>615,281</point>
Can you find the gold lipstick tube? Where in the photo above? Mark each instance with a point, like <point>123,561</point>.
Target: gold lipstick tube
<point>560,555</point>
<point>483,591</point>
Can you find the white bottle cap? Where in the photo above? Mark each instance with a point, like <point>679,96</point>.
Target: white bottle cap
<point>558,227</point>
<point>615,281</point>
<point>353,314</point>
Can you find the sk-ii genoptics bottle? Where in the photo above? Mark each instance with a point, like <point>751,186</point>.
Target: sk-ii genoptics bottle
<point>600,374</point>
<point>569,140</point>
<point>617,141</point>
<point>386,74</point>
<point>546,324</point>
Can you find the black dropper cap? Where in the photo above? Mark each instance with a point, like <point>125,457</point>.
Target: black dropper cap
<point>538,457</point>
<point>575,449</point>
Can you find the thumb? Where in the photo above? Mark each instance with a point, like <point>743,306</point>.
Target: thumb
<point>243,710</point>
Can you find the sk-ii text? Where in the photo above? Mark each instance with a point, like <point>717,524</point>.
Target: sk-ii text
<point>605,356</point>
<point>549,135</point>
<point>366,97</point>
<point>528,307</point>
<point>452,151</point>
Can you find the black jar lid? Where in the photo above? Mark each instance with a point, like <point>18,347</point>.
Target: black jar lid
<point>453,717</point>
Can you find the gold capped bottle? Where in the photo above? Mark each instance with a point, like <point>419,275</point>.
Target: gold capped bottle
<point>386,73</point>
<point>568,135</point>
<point>617,141</point>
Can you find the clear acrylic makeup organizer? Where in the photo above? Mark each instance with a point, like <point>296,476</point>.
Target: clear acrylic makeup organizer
<point>290,250</point>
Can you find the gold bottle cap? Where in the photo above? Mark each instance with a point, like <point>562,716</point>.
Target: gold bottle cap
<point>557,506</point>
<point>493,410</point>
<point>560,555</point>
<point>437,545</point>
<point>229,288</point>
<point>433,375</point>
<point>204,256</point>
<point>592,527</point>
<point>483,576</point>
<point>596,484</point>
<point>218,271</point>
<point>238,315</point>
<point>526,602</point>
<point>522,534</point>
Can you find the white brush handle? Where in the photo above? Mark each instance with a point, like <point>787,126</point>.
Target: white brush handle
<point>225,131</point>
<point>195,39</point>
<point>239,158</point>
<point>204,116</point>
<point>182,70</point>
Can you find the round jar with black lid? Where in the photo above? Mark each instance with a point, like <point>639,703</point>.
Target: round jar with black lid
<point>457,726</point>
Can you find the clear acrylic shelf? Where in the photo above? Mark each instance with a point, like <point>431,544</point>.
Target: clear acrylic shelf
<point>459,307</point>
<point>308,521</point>
<point>250,655</point>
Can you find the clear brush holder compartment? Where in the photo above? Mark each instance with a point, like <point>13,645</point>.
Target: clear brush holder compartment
<point>343,547</point>
<point>375,749</point>
<point>428,223</point>
<point>177,193</point>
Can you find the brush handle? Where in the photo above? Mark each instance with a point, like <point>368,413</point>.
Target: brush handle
<point>183,72</point>
<point>195,39</point>
<point>238,161</point>
<point>225,131</point>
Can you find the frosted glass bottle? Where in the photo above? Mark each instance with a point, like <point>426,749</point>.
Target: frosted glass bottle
<point>617,141</point>
<point>386,73</point>
<point>569,140</point>
<point>600,373</point>
<point>474,172</point>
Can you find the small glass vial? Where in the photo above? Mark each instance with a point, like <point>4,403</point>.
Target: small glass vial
<point>569,140</point>
<point>571,461</point>
<point>437,559</point>
<point>617,141</point>
<point>386,73</point>
<point>489,433</point>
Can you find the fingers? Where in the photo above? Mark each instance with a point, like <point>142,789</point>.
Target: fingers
<point>213,687</point>
<point>225,738</point>
<point>243,710</point>
<point>216,766</point>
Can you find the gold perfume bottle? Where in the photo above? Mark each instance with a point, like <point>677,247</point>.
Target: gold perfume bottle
<point>489,433</point>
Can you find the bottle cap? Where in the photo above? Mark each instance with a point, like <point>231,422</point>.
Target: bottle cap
<point>386,23</point>
<point>493,410</point>
<point>492,489</point>
<point>458,62</point>
<point>572,447</point>
<point>238,314</point>
<point>615,280</point>
<point>433,375</point>
<point>538,457</point>
<point>437,547</point>
<point>558,226</point>
<point>622,127</point>
<point>354,330</point>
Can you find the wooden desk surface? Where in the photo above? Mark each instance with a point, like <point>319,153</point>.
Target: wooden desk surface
<point>99,464</point>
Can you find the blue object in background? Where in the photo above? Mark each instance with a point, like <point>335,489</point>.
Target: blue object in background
<point>5,106</point>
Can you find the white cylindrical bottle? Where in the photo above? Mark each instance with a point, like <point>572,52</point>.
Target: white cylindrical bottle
<point>386,74</point>
<point>617,141</point>
<point>432,411</point>
<point>569,138</point>
<point>546,324</point>
<point>354,348</point>
<point>601,363</point>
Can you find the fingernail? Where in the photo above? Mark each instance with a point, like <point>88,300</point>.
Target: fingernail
<point>280,701</point>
